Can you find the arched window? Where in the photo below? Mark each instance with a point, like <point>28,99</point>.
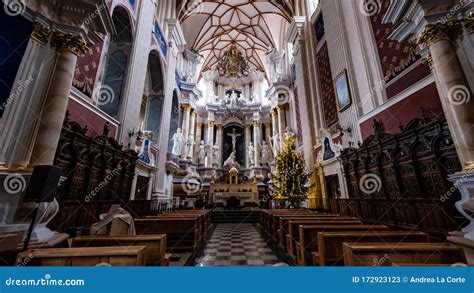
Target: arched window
<point>13,44</point>
<point>117,62</point>
<point>153,97</point>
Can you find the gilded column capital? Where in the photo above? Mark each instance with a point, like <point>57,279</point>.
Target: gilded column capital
<point>220,126</point>
<point>199,124</point>
<point>187,108</point>
<point>193,114</point>
<point>428,61</point>
<point>41,34</point>
<point>210,123</point>
<point>68,42</point>
<point>436,32</point>
<point>256,123</point>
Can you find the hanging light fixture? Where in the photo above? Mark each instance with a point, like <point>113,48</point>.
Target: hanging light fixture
<point>233,64</point>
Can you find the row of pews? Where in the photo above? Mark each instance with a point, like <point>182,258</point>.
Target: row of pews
<point>308,238</point>
<point>156,239</point>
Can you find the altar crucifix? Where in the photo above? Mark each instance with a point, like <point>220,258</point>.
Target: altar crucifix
<point>234,136</point>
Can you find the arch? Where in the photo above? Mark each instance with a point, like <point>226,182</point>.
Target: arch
<point>153,97</point>
<point>240,144</point>
<point>117,63</point>
<point>175,118</point>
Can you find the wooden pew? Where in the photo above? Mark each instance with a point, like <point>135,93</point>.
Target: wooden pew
<point>268,216</point>
<point>84,256</point>
<point>155,252</point>
<point>284,223</point>
<point>308,240</point>
<point>361,254</point>
<point>182,234</point>
<point>330,243</point>
<point>293,235</point>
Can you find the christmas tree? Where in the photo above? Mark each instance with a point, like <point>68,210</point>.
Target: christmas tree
<point>291,178</point>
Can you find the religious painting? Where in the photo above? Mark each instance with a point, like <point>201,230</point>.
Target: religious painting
<point>343,92</point>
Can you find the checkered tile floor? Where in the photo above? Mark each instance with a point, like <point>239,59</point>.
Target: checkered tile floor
<point>237,245</point>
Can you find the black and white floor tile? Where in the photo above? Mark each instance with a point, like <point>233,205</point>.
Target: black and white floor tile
<point>237,245</point>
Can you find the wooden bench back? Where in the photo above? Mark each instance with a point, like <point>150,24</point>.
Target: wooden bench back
<point>423,253</point>
<point>330,249</point>
<point>84,256</point>
<point>155,245</point>
<point>293,225</point>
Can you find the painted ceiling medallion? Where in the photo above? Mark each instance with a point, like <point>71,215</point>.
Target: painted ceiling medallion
<point>233,64</point>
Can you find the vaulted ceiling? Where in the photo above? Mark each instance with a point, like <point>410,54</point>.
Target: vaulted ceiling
<point>255,26</point>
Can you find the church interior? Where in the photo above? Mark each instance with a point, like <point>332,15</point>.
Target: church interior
<point>236,133</point>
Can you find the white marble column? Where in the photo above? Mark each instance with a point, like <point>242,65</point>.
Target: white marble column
<point>248,139</point>
<point>192,131</point>
<point>210,142</point>
<point>274,122</point>
<point>281,122</point>
<point>455,92</point>
<point>197,141</point>
<point>133,190</point>
<point>220,142</point>
<point>57,98</point>
<point>256,142</point>
<point>185,126</point>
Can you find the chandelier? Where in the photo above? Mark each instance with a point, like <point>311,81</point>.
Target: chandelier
<point>233,64</point>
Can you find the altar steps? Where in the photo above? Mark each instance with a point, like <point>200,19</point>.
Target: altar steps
<point>239,216</point>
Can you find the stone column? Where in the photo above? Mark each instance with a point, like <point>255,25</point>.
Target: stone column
<point>185,126</point>
<point>69,47</point>
<point>219,141</point>
<point>192,130</point>
<point>281,122</point>
<point>268,134</point>
<point>198,141</point>
<point>256,141</point>
<point>210,142</point>
<point>248,139</point>
<point>274,122</point>
<point>134,187</point>
<point>452,85</point>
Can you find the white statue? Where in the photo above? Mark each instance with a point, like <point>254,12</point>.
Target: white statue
<point>265,153</point>
<point>234,135</point>
<point>178,143</point>
<point>226,100</point>
<point>216,156</point>
<point>288,132</point>
<point>234,100</point>
<point>254,99</point>
<point>276,145</point>
<point>202,152</point>
<point>190,147</point>
<point>230,162</point>
<point>251,154</point>
<point>243,100</point>
<point>215,99</point>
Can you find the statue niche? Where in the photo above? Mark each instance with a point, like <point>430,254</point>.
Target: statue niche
<point>234,133</point>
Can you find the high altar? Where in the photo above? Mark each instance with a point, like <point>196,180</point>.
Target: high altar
<point>228,144</point>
